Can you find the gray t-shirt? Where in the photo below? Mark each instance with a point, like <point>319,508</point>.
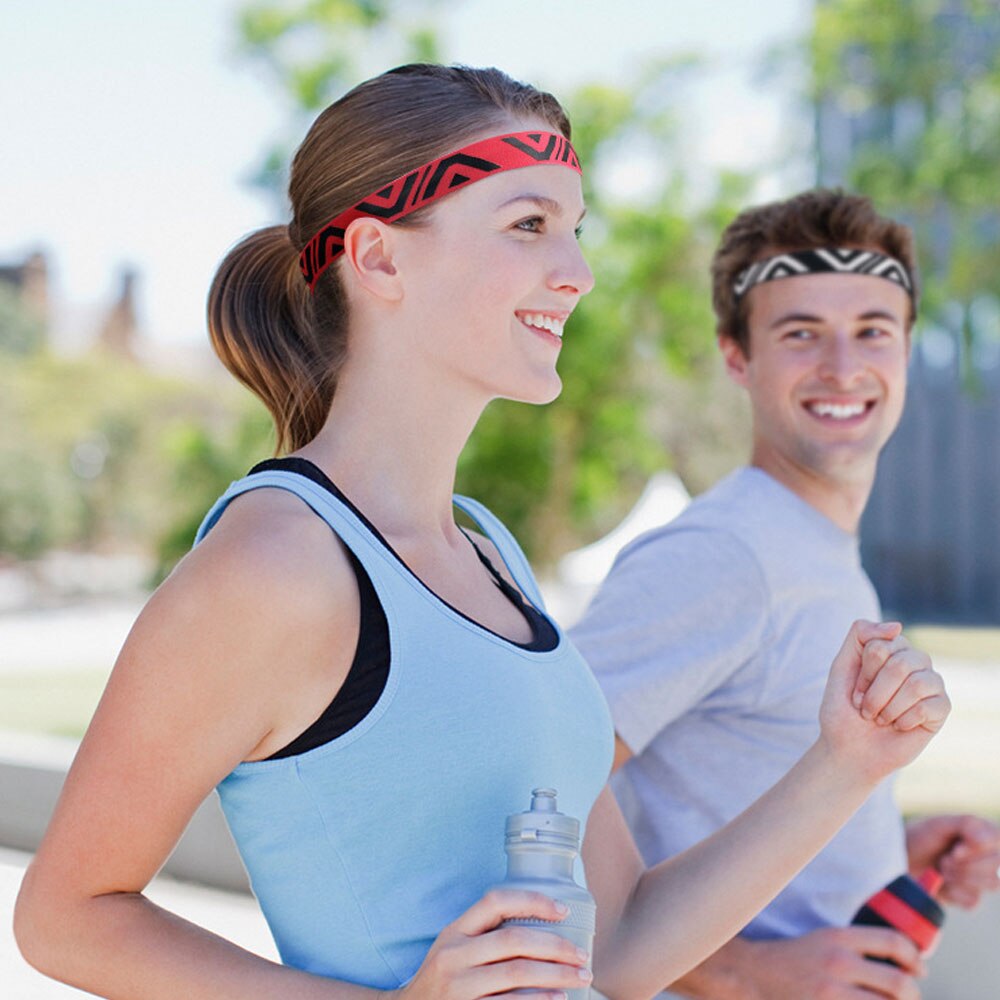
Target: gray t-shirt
<point>712,638</point>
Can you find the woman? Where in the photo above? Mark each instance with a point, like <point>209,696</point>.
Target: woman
<point>374,699</point>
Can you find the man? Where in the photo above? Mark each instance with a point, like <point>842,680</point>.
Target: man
<point>713,635</point>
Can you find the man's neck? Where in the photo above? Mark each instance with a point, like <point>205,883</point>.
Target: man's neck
<point>840,499</point>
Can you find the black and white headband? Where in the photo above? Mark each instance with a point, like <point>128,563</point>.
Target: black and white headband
<point>829,260</point>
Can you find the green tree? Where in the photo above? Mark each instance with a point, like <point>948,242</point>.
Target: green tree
<point>919,83</point>
<point>316,50</point>
<point>205,459</point>
<point>90,453</point>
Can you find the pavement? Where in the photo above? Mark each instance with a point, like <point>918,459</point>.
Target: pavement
<point>77,637</point>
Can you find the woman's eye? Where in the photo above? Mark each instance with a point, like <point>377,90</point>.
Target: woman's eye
<point>532,225</point>
<point>578,232</point>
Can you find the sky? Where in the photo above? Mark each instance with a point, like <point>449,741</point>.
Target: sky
<point>128,129</point>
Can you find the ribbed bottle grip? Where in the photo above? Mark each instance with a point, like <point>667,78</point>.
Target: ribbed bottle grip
<point>581,916</point>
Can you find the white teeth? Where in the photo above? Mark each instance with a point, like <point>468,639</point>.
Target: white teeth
<point>839,411</point>
<point>543,322</point>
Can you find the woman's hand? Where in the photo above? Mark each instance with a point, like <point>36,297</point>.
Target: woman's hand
<point>883,701</point>
<point>475,957</point>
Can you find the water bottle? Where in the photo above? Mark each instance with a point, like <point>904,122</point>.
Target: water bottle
<point>907,905</point>
<point>542,845</point>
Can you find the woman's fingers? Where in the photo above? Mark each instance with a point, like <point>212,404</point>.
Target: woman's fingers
<point>520,973</point>
<point>928,713</point>
<point>885,668</point>
<point>874,656</point>
<point>499,905</point>
<point>918,701</point>
<point>846,664</point>
<point>518,941</point>
<point>898,686</point>
<point>477,956</point>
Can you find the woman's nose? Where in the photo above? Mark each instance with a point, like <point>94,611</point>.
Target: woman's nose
<point>572,273</point>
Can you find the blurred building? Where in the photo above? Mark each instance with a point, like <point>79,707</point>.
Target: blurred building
<point>71,327</point>
<point>120,329</point>
<point>29,281</point>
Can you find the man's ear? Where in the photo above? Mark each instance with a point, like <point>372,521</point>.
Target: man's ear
<point>369,248</point>
<point>734,357</point>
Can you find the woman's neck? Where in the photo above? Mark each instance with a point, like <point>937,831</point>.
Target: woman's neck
<point>392,445</point>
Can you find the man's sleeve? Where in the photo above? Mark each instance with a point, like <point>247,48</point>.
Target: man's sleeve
<point>680,612</point>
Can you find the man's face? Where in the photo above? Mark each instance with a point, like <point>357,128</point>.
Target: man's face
<point>826,372</point>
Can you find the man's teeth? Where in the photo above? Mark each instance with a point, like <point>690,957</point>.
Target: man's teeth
<point>839,411</point>
<point>542,322</point>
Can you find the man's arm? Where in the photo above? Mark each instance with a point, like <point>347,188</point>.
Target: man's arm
<point>623,753</point>
<point>833,963</point>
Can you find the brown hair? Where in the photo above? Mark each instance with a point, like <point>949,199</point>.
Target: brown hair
<point>286,344</point>
<point>816,218</point>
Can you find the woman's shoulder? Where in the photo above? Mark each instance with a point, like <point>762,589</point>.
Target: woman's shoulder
<point>268,563</point>
<point>270,534</point>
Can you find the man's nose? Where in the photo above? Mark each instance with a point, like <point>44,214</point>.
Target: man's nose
<point>841,361</point>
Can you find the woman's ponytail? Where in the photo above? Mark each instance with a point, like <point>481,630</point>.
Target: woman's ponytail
<point>262,322</point>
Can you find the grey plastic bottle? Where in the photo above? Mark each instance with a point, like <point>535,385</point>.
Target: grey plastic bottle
<point>542,845</point>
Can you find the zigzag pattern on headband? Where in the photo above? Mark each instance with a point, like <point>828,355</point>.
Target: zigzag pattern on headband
<point>434,180</point>
<point>827,260</point>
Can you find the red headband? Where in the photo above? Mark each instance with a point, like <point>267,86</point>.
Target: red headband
<point>434,180</point>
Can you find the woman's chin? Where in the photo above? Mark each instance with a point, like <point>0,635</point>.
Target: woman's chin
<point>541,392</point>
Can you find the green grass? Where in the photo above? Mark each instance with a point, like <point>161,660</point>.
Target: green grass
<point>57,703</point>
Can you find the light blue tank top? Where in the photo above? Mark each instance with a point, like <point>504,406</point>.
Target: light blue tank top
<point>361,850</point>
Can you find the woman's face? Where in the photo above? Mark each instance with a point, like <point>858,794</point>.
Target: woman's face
<point>492,277</point>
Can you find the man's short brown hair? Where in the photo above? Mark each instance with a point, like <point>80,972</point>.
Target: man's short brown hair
<point>810,220</point>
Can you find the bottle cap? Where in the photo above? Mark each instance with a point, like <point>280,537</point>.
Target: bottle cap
<point>543,823</point>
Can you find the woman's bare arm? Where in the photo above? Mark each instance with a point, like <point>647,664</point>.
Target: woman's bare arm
<point>654,926</point>
<point>219,667</point>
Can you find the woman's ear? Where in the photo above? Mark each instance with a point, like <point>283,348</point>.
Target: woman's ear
<point>369,248</point>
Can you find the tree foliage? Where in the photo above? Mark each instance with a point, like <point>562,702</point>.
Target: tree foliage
<point>94,454</point>
<point>918,81</point>
<point>316,50</point>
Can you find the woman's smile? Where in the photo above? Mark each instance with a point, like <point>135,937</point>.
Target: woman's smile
<point>548,325</point>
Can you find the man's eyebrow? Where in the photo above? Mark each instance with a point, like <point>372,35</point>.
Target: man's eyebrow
<point>543,202</point>
<point>880,314</point>
<point>795,317</point>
